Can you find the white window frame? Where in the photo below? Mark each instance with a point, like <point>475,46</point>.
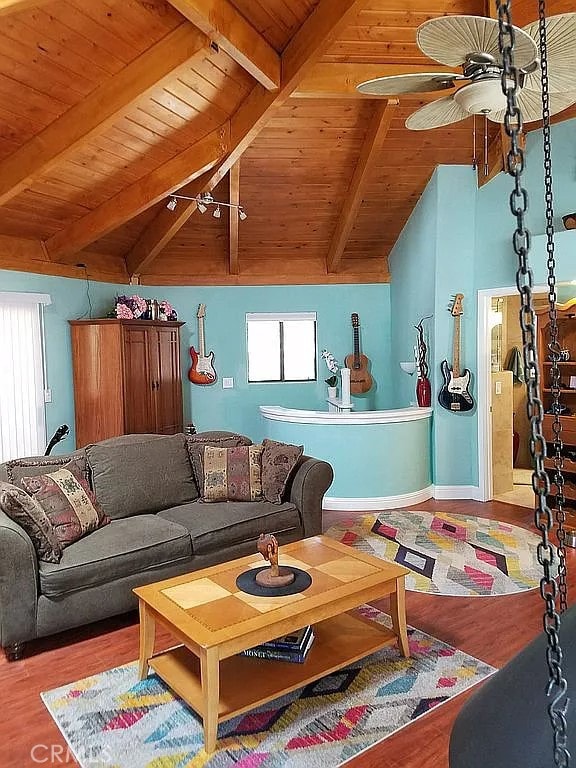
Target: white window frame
<point>282,317</point>
<point>23,423</point>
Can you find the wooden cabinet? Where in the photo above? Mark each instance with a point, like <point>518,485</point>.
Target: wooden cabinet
<point>126,378</point>
<point>567,339</point>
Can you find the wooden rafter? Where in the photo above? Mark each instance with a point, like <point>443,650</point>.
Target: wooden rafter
<point>234,183</point>
<point>301,54</point>
<point>333,80</point>
<point>131,201</point>
<point>220,20</point>
<point>15,6</point>
<point>99,109</point>
<point>375,135</point>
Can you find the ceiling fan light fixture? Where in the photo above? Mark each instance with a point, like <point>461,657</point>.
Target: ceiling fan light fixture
<point>481,97</point>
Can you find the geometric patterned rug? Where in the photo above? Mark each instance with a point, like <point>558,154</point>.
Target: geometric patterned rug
<point>448,554</point>
<point>113,720</point>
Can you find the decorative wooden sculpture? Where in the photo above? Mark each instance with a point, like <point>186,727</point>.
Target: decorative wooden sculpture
<point>273,576</point>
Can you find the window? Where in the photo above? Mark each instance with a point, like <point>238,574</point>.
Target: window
<point>22,418</point>
<point>281,346</point>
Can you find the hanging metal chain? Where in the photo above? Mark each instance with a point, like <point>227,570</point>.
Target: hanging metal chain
<point>557,686</point>
<point>554,343</point>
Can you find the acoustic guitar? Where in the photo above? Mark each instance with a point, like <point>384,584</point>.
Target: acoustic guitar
<point>202,370</point>
<point>360,378</point>
<point>455,394</point>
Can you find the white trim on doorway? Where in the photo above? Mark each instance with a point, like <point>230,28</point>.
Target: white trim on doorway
<point>485,297</point>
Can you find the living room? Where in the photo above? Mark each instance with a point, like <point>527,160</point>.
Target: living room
<point>401,256</point>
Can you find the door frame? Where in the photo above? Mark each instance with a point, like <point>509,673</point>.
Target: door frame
<point>484,344</point>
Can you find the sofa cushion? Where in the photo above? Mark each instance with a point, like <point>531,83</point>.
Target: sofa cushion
<point>30,516</point>
<point>16,469</point>
<point>225,524</point>
<point>140,474</point>
<point>196,444</point>
<point>123,548</point>
<point>278,462</point>
<point>232,474</point>
<point>68,502</point>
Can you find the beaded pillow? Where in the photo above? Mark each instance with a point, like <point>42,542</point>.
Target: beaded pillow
<point>68,502</point>
<point>27,512</point>
<point>232,474</point>
<point>278,462</point>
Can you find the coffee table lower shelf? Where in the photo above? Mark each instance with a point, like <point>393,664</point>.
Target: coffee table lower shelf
<point>247,682</point>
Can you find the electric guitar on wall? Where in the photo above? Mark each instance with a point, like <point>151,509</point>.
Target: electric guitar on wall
<point>202,370</point>
<point>360,378</point>
<point>455,394</point>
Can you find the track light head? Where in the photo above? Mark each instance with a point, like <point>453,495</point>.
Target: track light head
<point>242,214</point>
<point>217,213</point>
<point>201,207</point>
<point>172,203</point>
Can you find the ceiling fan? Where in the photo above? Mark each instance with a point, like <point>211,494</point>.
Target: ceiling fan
<point>471,42</point>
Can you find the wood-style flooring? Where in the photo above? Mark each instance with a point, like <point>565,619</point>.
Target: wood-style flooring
<point>490,628</point>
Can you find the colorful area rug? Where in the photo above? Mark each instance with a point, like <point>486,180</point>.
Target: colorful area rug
<point>448,554</point>
<point>111,719</point>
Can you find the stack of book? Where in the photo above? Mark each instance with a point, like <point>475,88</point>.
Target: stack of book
<point>293,647</point>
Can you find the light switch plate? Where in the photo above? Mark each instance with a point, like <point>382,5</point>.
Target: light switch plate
<point>228,382</point>
<point>498,388</point>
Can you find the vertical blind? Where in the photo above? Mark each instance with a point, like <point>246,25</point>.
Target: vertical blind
<point>22,417</point>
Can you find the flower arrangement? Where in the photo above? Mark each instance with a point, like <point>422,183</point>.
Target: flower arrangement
<point>333,366</point>
<point>130,307</point>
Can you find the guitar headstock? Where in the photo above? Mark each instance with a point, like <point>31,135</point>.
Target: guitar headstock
<point>456,308</point>
<point>355,321</point>
<point>201,311</point>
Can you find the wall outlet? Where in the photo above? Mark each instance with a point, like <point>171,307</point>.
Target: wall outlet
<point>228,383</point>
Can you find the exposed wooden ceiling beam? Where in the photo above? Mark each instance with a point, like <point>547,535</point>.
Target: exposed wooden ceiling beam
<point>131,201</point>
<point>220,20</point>
<point>14,6</point>
<point>234,182</point>
<point>329,81</point>
<point>375,135</point>
<point>301,54</point>
<point>99,109</point>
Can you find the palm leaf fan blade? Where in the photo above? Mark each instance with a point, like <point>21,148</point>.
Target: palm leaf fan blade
<point>436,114</point>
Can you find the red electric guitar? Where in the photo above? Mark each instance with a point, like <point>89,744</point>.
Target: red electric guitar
<point>202,370</point>
<point>360,377</point>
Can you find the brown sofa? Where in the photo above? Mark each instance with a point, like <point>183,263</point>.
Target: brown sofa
<point>158,529</point>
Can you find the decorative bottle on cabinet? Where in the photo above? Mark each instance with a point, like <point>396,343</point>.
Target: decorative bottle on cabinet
<point>127,378</point>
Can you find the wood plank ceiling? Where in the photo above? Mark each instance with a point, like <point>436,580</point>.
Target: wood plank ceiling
<point>108,106</point>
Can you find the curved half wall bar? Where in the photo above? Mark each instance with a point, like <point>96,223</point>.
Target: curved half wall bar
<point>381,459</point>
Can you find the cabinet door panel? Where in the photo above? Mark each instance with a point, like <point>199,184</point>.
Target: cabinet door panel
<point>168,393</point>
<point>138,381</point>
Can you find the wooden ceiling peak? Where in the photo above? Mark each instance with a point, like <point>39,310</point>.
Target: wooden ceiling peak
<point>16,6</point>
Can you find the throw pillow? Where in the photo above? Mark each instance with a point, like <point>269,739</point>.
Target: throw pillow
<point>16,469</point>
<point>278,461</point>
<point>30,516</point>
<point>68,502</point>
<point>232,474</point>
<point>196,444</point>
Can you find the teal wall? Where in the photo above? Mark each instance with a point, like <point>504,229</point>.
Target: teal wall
<point>212,407</point>
<point>467,233</point>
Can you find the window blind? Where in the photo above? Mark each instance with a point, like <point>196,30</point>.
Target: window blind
<point>22,416</point>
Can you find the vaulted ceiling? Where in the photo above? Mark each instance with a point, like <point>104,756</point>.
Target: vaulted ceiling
<point>108,106</point>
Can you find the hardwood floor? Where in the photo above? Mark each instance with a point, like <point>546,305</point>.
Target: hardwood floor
<point>492,629</point>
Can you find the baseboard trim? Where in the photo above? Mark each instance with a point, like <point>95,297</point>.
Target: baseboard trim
<point>457,492</point>
<point>377,502</point>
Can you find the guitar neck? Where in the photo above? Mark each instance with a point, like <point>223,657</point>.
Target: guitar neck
<point>356,347</point>
<point>201,351</point>
<point>456,348</point>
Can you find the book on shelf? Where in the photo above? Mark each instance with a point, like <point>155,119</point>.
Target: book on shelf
<point>295,655</point>
<point>294,641</point>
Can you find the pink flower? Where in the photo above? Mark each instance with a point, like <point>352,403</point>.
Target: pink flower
<point>123,312</point>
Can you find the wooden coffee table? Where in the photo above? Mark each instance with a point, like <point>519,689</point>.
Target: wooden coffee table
<point>214,620</point>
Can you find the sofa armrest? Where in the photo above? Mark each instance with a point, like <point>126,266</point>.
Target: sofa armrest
<point>18,583</point>
<point>307,488</point>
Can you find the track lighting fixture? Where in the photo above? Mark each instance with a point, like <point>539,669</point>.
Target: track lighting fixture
<point>203,200</point>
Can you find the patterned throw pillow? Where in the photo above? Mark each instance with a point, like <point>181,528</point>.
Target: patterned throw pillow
<point>195,445</point>
<point>278,461</point>
<point>68,502</point>
<point>30,516</point>
<point>232,474</point>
